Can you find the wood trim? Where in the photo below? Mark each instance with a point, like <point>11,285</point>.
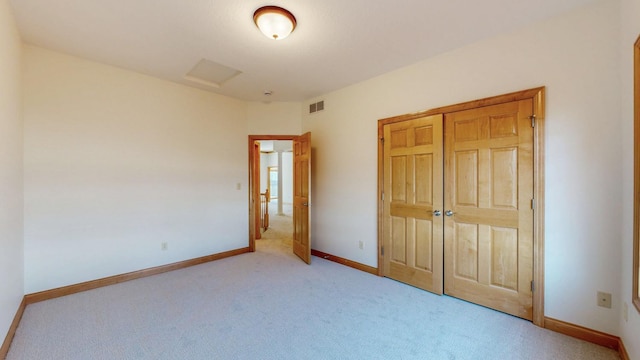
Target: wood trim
<point>494,100</point>
<point>252,201</point>
<point>111,280</point>
<point>380,192</point>
<point>586,334</point>
<point>538,96</point>
<point>624,355</point>
<point>583,333</point>
<point>272,137</point>
<point>255,191</point>
<point>635,295</point>
<point>349,263</point>
<point>538,217</point>
<point>4,350</point>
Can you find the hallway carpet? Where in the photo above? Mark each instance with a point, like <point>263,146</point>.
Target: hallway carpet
<point>280,226</point>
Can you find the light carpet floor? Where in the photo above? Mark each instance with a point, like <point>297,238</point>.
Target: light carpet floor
<point>270,305</point>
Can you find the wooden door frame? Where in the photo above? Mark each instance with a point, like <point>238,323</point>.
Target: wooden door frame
<point>635,295</point>
<point>252,209</point>
<point>538,97</point>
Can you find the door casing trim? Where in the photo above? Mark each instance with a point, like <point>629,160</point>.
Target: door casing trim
<point>538,97</point>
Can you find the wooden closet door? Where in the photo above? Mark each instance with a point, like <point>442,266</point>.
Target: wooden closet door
<point>412,210</point>
<point>488,206</point>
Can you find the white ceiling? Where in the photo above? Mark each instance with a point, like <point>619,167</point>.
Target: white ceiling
<point>336,43</point>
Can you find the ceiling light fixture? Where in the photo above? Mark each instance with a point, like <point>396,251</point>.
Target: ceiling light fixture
<point>274,22</point>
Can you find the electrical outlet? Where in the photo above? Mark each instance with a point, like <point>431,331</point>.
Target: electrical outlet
<point>361,245</point>
<point>164,246</point>
<point>625,311</point>
<point>238,186</point>
<point>604,299</point>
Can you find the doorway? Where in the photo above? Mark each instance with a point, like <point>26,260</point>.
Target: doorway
<point>459,186</point>
<point>299,147</point>
<point>276,192</point>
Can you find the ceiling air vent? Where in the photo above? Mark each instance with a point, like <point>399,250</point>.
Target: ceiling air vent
<point>315,107</point>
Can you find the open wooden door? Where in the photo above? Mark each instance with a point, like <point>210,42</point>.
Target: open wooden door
<point>256,189</point>
<point>413,204</point>
<point>302,196</point>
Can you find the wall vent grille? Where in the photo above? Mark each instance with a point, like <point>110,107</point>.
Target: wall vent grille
<point>315,107</point>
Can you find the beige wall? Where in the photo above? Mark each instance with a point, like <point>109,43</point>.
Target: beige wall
<point>11,218</point>
<point>118,162</point>
<point>576,57</point>
<point>630,30</point>
<point>278,118</point>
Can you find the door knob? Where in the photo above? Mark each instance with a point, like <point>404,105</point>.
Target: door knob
<point>437,213</point>
<point>448,213</point>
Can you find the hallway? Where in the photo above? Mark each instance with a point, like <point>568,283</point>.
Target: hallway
<point>279,235</point>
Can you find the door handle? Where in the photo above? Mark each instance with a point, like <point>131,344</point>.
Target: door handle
<point>305,204</point>
<point>449,213</point>
<point>437,213</point>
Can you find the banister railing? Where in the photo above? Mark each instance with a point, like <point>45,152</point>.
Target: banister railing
<point>264,210</point>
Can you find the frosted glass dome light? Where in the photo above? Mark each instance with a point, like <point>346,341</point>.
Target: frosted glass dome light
<point>274,22</point>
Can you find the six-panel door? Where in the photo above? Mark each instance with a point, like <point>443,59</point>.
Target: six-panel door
<point>482,193</point>
<point>302,196</point>
<point>413,208</point>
